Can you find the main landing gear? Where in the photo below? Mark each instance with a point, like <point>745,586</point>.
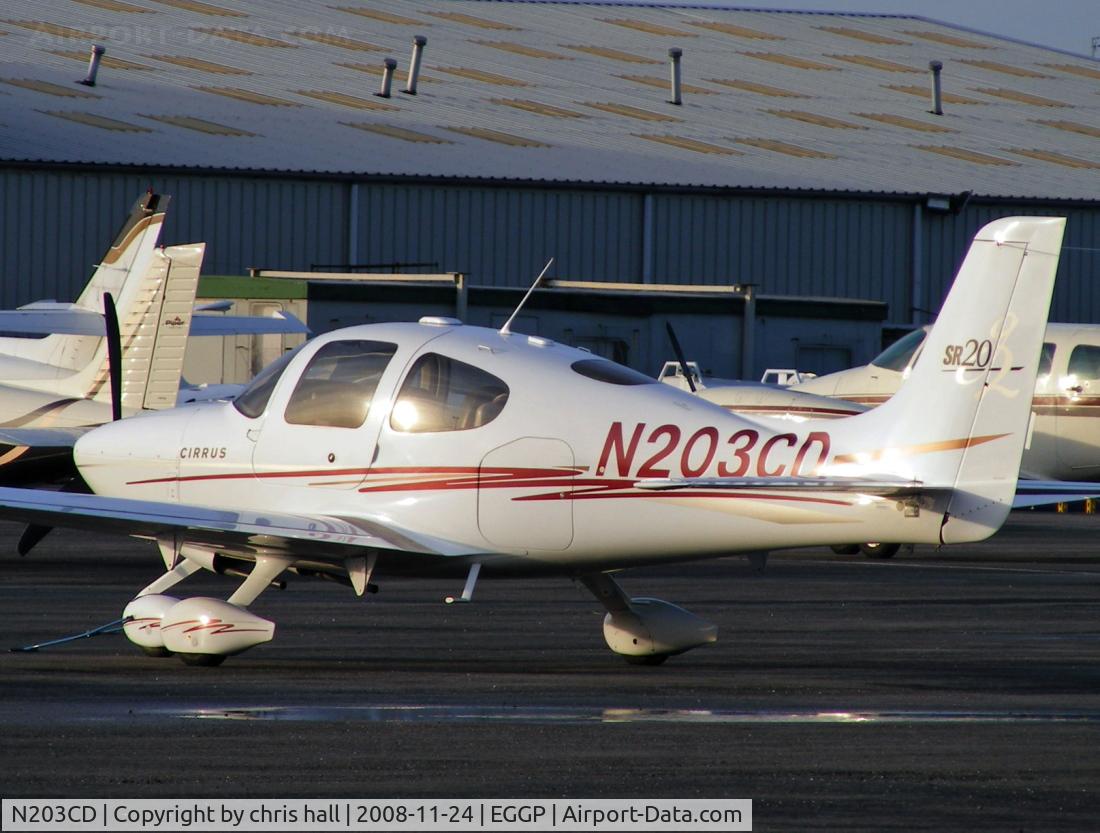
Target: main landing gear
<point>646,631</point>
<point>201,630</point>
<point>871,549</point>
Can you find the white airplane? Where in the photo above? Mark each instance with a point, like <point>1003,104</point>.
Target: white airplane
<point>1065,435</point>
<point>63,380</point>
<point>437,448</point>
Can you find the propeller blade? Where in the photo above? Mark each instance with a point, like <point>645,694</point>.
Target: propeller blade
<point>114,354</point>
<point>680,356</point>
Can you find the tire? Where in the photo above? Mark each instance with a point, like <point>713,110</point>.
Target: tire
<point>876,550</point>
<point>208,660</point>
<point>648,659</point>
<point>845,549</point>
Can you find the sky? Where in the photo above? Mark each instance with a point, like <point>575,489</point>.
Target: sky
<point>1063,24</point>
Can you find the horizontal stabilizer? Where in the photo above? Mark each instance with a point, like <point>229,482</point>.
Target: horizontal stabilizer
<point>74,321</point>
<point>65,320</point>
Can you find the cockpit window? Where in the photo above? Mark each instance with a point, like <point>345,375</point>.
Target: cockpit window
<point>1084,363</point>
<point>898,355</point>
<point>1046,359</point>
<point>253,399</point>
<point>443,394</point>
<point>338,384</point>
<point>603,370</point>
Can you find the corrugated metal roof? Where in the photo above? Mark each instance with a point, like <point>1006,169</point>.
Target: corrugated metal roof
<point>1020,120</point>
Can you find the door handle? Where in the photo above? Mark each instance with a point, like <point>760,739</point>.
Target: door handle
<point>253,434</point>
<point>1076,388</point>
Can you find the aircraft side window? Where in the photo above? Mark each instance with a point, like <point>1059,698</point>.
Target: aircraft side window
<point>338,384</point>
<point>603,370</point>
<point>443,394</point>
<point>1084,362</point>
<point>1046,360</point>
<point>253,399</point>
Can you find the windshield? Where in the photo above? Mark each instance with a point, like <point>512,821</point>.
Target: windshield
<point>253,399</point>
<point>898,355</point>
<point>338,384</point>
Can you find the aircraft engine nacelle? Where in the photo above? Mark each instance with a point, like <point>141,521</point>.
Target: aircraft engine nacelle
<point>208,630</point>
<point>145,614</point>
<point>654,629</point>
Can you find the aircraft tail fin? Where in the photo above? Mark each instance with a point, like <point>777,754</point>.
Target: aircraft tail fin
<point>129,253</point>
<point>961,418</point>
<point>154,322</point>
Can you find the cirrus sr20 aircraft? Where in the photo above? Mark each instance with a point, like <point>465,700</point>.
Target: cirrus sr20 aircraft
<point>437,448</point>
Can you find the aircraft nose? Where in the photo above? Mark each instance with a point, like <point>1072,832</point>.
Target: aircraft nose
<point>128,457</point>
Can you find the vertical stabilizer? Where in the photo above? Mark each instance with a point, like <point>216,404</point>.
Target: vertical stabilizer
<point>69,358</point>
<point>960,420</point>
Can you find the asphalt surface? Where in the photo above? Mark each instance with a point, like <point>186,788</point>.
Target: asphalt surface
<point>952,690</point>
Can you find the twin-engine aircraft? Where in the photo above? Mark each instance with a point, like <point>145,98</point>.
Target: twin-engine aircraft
<point>438,448</point>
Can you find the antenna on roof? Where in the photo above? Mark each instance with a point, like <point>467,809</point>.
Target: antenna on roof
<point>505,330</point>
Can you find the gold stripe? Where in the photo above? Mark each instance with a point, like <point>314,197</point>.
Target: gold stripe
<point>915,450</point>
<point>115,252</point>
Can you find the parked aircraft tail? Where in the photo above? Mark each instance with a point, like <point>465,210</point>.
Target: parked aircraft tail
<point>961,419</point>
<point>66,363</point>
<point>153,327</point>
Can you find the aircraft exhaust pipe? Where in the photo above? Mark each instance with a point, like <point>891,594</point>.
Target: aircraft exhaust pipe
<point>419,42</point>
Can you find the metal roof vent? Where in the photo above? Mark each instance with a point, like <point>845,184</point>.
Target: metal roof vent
<point>93,66</point>
<point>414,63</point>
<point>937,94</point>
<point>675,80</point>
<point>388,66</point>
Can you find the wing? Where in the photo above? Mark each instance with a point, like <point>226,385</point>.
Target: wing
<point>223,325</point>
<point>45,317</point>
<point>1046,492</point>
<point>37,456</point>
<point>314,537</point>
<point>883,485</point>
